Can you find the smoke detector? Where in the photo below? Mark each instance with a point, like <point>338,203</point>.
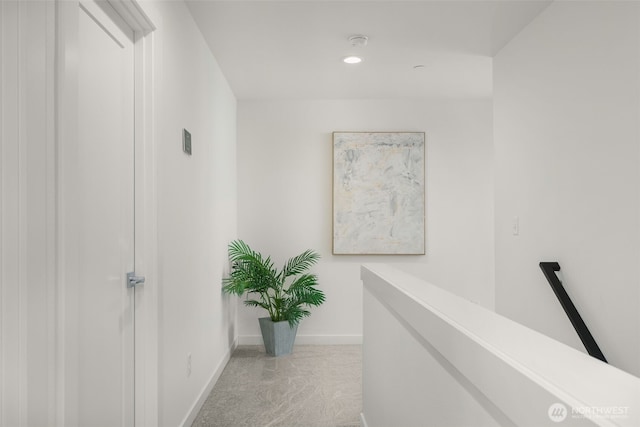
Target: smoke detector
<point>358,40</point>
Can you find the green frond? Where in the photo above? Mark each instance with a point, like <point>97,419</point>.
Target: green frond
<point>294,314</point>
<point>250,272</point>
<point>232,286</point>
<point>303,291</point>
<point>304,281</point>
<point>301,263</point>
<point>241,253</point>
<point>254,303</point>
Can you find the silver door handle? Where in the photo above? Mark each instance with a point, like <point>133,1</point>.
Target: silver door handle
<point>133,280</point>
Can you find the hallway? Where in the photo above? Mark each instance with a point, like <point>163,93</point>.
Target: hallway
<point>315,386</point>
<point>138,138</point>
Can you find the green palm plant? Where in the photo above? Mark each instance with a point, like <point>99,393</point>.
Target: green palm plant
<point>285,294</point>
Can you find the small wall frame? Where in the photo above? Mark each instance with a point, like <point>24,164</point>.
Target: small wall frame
<point>379,193</point>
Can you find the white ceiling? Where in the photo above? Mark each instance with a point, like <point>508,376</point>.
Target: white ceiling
<point>293,49</point>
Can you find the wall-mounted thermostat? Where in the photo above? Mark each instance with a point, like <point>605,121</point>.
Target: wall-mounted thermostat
<point>186,141</point>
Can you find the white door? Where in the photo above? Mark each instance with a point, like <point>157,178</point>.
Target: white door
<point>98,205</point>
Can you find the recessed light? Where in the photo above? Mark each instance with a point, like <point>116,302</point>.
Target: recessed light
<point>352,60</point>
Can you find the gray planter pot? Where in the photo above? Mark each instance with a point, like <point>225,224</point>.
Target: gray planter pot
<point>278,337</point>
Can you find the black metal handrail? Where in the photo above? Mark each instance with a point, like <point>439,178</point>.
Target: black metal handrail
<point>549,269</point>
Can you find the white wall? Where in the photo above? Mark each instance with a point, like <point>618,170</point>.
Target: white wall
<point>567,138</point>
<point>27,212</point>
<point>196,211</point>
<point>285,198</point>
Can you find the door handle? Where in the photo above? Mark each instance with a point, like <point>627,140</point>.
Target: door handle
<point>133,280</point>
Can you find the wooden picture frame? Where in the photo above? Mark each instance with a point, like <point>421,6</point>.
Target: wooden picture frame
<point>379,193</point>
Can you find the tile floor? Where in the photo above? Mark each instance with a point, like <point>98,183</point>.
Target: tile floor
<point>315,386</point>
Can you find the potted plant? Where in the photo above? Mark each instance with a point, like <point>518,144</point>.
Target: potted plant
<point>285,294</point>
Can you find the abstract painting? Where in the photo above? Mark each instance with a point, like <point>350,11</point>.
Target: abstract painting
<point>378,193</point>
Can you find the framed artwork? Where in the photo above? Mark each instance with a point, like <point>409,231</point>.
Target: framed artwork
<point>378,193</point>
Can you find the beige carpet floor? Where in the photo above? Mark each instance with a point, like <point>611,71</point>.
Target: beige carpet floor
<point>315,386</point>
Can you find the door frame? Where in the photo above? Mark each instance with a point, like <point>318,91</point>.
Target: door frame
<point>145,201</point>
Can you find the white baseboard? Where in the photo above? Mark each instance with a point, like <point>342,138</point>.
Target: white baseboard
<point>308,340</point>
<point>197,405</point>
<point>363,422</point>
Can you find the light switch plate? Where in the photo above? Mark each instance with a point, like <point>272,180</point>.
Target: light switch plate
<point>186,141</point>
